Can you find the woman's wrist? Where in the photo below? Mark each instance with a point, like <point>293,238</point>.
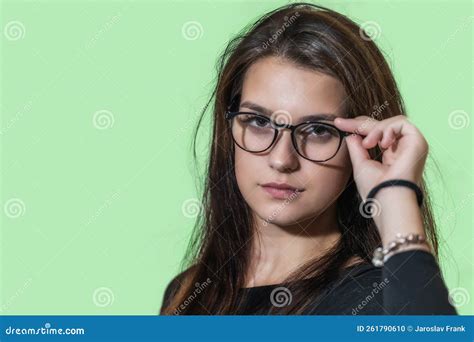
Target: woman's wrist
<point>397,212</point>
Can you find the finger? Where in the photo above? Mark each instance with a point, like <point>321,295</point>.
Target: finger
<point>403,127</point>
<point>373,138</point>
<point>357,152</point>
<point>388,138</point>
<point>360,125</point>
<point>374,130</point>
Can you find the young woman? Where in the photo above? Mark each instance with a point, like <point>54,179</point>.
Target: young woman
<point>307,121</point>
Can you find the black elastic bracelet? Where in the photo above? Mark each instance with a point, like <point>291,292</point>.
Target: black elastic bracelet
<point>397,182</point>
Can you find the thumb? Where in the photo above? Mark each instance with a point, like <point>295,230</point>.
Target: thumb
<point>357,152</point>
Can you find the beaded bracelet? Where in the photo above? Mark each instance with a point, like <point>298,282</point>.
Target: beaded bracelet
<point>380,254</point>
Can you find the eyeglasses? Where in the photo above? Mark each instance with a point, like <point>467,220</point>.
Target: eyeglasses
<point>312,140</point>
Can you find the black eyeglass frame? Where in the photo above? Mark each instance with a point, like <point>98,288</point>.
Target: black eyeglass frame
<point>229,115</point>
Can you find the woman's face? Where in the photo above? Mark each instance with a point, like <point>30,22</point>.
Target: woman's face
<point>290,93</point>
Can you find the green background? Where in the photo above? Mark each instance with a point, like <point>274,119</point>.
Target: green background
<point>98,103</point>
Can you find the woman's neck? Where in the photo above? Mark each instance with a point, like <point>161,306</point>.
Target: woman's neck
<point>277,251</point>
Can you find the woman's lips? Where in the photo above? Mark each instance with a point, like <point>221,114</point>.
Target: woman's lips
<point>280,193</point>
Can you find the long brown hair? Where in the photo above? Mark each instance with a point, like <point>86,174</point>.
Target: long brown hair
<point>313,37</point>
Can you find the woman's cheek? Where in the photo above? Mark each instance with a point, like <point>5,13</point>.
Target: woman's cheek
<point>245,172</point>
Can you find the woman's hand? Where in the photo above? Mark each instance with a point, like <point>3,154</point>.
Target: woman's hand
<point>395,209</point>
<point>404,150</point>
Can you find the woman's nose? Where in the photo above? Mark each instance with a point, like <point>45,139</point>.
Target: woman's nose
<point>283,156</point>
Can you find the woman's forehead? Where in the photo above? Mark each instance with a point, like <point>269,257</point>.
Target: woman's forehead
<point>277,85</point>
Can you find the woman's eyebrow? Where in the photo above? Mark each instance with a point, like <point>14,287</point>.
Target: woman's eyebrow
<point>268,112</point>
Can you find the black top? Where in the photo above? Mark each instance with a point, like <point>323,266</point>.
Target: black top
<point>408,284</point>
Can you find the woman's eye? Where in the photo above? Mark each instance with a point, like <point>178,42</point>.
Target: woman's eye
<point>318,133</point>
<point>258,122</point>
<point>318,130</point>
<point>261,122</point>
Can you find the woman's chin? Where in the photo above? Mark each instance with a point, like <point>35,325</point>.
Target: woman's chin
<point>285,218</point>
